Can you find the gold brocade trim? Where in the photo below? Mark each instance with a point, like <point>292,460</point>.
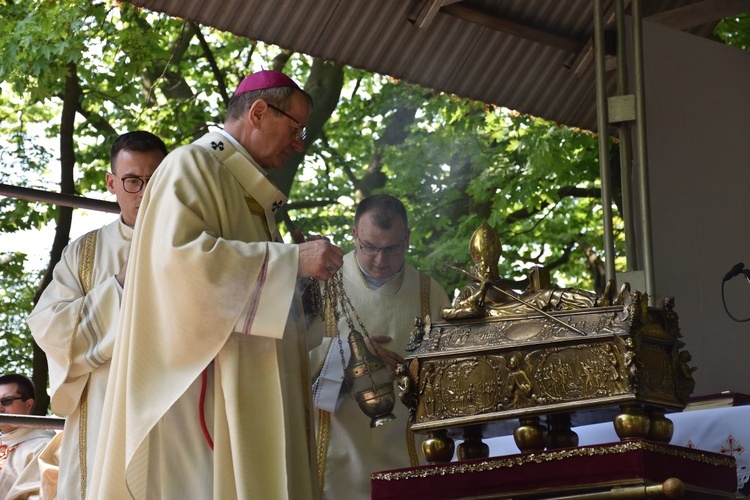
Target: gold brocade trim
<point>82,438</point>
<point>411,446</point>
<point>122,234</point>
<point>514,461</point>
<point>424,296</point>
<point>86,266</point>
<point>324,431</point>
<point>257,210</point>
<point>85,273</point>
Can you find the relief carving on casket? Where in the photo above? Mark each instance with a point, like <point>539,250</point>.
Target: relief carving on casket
<point>459,387</point>
<point>581,372</point>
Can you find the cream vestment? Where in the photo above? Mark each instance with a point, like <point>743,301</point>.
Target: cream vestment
<point>75,324</point>
<point>348,449</point>
<point>205,355</point>
<point>19,451</point>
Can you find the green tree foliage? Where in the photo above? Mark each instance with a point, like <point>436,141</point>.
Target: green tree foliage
<point>16,293</point>
<point>735,31</point>
<point>456,163</point>
<point>76,74</point>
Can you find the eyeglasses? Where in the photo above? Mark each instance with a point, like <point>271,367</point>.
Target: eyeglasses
<point>302,128</point>
<point>6,402</point>
<point>371,251</point>
<point>133,184</point>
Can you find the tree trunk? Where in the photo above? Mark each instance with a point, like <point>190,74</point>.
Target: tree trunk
<point>65,216</point>
<point>324,85</point>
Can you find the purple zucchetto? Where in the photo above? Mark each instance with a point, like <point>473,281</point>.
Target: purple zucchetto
<point>265,79</point>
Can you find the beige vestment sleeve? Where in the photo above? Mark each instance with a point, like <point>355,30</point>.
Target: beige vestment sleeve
<point>75,323</point>
<point>76,330</point>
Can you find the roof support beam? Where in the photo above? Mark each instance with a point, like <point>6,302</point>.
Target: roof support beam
<point>512,28</point>
<point>65,200</point>
<point>428,12</point>
<point>586,55</point>
<point>699,13</point>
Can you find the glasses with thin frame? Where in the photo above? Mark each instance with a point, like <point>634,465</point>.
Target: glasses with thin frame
<point>133,184</point>
<point>6,402</point>
<point>390,251</point>
<point>302,128</point>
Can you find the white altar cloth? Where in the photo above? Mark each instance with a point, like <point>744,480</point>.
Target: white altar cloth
<point>719,430</point>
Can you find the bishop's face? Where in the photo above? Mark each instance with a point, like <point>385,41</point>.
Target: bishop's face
<point>281,131</point>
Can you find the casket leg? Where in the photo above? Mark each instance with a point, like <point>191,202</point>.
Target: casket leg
<point>530,435</point>
<point>632,423</point>
<point>560,433</point>
<point>661,428</point>
<point>472,446</point>
<point>438,447</point>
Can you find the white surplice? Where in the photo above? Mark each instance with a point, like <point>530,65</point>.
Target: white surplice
<point>354,450</point>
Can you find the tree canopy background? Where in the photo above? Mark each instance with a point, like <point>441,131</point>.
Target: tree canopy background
<point>76,74</point>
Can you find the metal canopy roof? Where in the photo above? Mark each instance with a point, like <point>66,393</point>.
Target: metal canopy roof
<point>532,56</point>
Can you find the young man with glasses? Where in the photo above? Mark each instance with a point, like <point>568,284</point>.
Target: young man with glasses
<point>211,397</point>
<point>388,294</point>
<point>19,446</point>
<point>75,320</point>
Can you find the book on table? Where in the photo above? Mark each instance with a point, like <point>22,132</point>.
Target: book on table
<point>717,400</point>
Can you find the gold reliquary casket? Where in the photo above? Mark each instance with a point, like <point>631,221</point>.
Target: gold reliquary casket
<point>537,364</point>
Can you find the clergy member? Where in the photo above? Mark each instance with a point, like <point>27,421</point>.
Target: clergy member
<point>208,394</point>
<point>19,446</point>
<point>388,294</point>
<point>75,319</point>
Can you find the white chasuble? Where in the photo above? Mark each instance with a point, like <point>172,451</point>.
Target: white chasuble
<point>207,297</point>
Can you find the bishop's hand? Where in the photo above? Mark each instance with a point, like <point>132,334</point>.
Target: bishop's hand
<point>319,259</point>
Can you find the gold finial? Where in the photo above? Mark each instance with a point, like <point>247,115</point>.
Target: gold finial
<point>485,249</point>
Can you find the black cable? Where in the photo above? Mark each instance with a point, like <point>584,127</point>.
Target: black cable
<point>723,301</point>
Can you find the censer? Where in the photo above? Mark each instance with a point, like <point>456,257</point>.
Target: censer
<point>366,375</point>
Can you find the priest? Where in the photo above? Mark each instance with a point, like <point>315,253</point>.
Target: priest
<point>388,294</point>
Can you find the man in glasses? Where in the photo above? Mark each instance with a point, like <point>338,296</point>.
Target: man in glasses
<point>388,294</point>
<point>209,394</point>
<point>19,446</point>
<point>75,319</point>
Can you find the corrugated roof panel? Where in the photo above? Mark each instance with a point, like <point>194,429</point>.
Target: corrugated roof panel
<point>416,44</point>
<point>386,41</point>
<point>448,47</point>
<point>486,73</point>
<point>450,55</point>
<point>378,39</point>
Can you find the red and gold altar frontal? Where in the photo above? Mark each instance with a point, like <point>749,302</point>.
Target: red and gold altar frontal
<point>631,469</point>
